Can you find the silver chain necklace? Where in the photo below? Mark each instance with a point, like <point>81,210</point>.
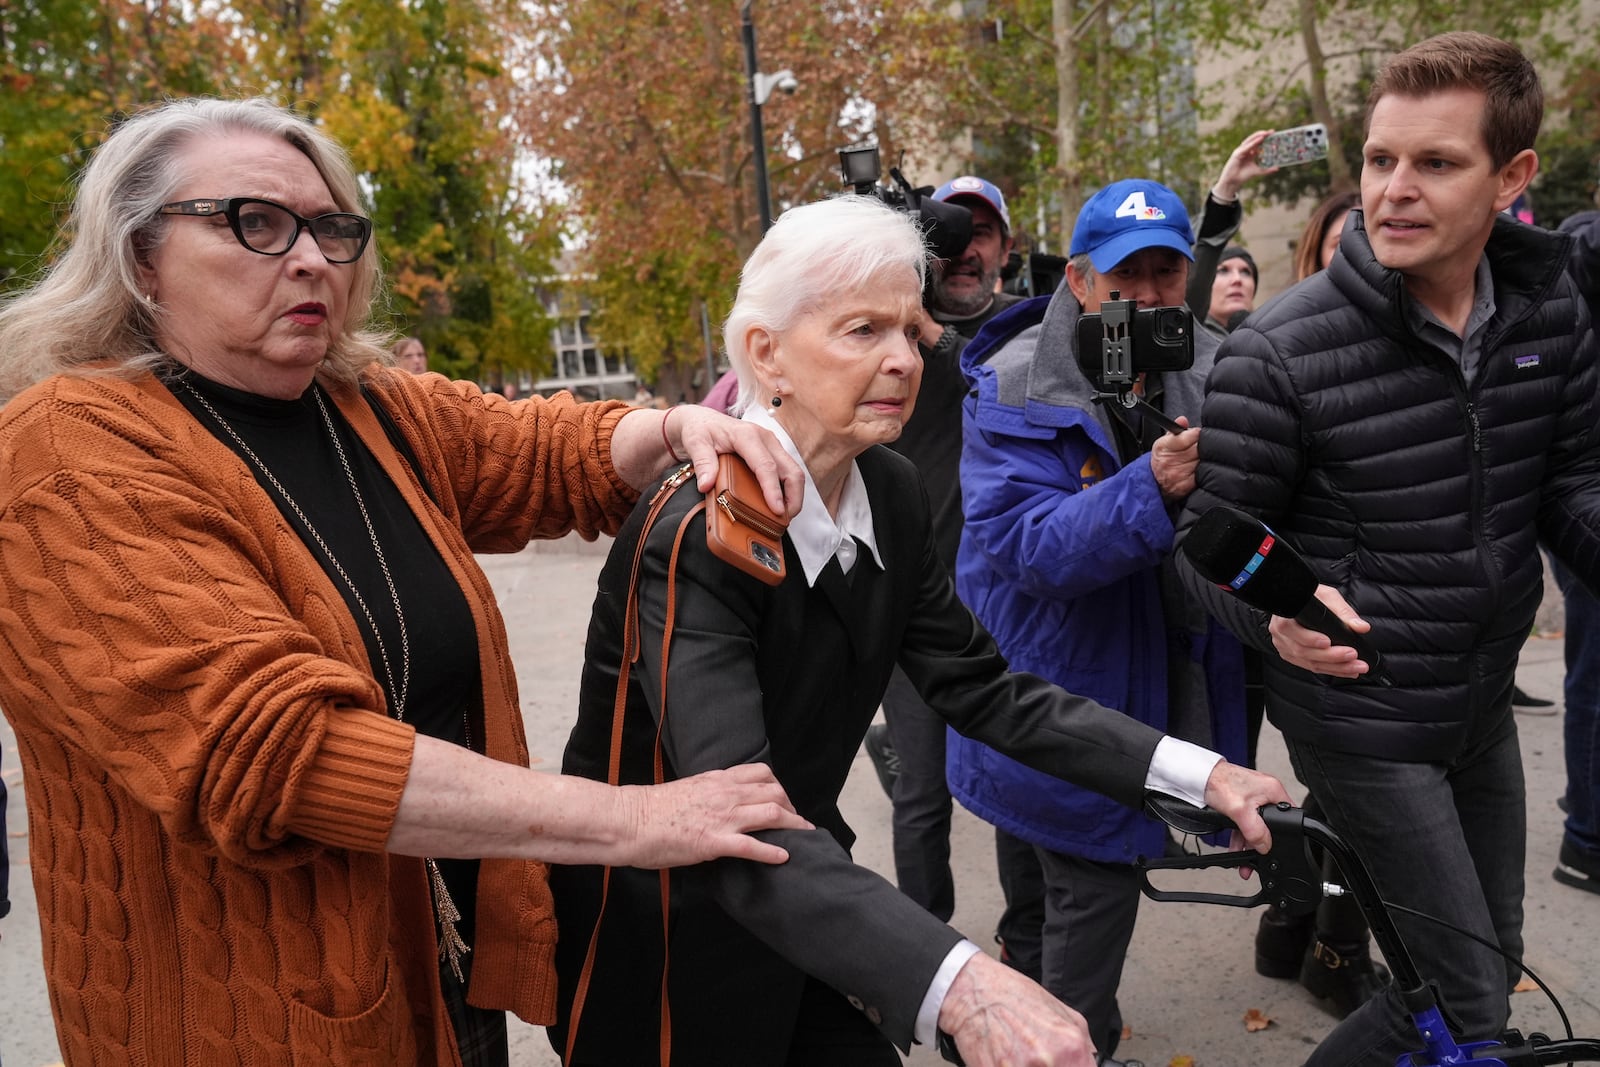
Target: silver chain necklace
<point>451,945</point>
<point>402,690</point>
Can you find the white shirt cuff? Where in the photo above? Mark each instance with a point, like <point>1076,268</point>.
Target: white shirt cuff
<point>1181,769</point>
<point>1178,768</point>
<point>927,1028</point>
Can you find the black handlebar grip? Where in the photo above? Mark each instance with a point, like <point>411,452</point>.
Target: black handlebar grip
<point>1185,817</point>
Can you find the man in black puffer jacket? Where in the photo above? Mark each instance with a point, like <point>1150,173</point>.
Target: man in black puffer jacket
<point>1579,863</point>
<point>1414,420</point>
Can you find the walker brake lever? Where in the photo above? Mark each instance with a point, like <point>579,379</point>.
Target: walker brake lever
<point>1289,877</point>
<point>1202,862</point>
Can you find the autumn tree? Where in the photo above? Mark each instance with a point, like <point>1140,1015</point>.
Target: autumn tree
<point>1059,97</point>
<point>1056,97</point>
<point>423,102</point>
<point>68,68</point>
<point>644,107</point>
<point>418,92</point>
<point>1569,151</point>
<point>1301,61</point>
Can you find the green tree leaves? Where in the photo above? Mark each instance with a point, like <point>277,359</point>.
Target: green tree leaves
<point>644,107</point>
<point>417,92</point>
<point>640,109</point>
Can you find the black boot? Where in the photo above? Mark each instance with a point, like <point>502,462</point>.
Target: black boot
<point>1342,974</point>
<point>885,760</point>
<point>1281,942</point>
<point>1578,868</point>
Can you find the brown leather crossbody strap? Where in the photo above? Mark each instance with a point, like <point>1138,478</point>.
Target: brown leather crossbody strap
<point>630,653</point>
<point>660,776</point>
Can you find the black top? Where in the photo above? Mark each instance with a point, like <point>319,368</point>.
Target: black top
<point>1218,223</point>
<point>444,698</point>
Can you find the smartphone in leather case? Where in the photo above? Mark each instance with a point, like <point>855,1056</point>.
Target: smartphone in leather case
<point>740,529</point>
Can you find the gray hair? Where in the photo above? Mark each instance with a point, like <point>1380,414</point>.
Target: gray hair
<point>811,253</point>
<point>1083,268</point>
<point>89,307</point>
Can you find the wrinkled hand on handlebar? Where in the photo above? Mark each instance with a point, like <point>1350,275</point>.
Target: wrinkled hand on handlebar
<point>1239,793</point>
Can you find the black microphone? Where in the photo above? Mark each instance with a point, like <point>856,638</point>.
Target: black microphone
<point>1240,553</point>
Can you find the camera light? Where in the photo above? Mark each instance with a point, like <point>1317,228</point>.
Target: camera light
<point>859,164</point>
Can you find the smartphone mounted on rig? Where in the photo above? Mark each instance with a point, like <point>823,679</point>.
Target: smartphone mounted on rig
<point>1123,341</point>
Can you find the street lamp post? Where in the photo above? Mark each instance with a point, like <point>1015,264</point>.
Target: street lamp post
<point>760,87</point>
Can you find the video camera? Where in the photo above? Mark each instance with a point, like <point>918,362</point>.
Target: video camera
<point>1122,342</point>
<point>1033,273</point>
<point>946,227</point>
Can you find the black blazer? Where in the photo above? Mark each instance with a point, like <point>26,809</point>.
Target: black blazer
<point>791,676</point>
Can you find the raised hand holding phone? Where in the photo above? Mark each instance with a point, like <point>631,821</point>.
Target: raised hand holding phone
<point>1289,148</point>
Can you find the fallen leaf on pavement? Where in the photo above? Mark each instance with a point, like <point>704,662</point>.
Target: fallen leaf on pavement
<point>1181,1061</point>
<point>1527,985</point>
<point>1255,1020</point>
<point>1127,1032</point>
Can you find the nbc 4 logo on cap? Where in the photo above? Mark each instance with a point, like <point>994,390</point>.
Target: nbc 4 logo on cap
<point>1136,208</point>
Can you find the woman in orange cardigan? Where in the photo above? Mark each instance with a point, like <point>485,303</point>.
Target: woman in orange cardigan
<point>267,826</point>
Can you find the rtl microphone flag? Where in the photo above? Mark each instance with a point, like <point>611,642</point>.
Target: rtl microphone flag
<point>1240,553</point>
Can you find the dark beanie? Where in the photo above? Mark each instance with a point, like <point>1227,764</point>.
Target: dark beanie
<point>1235,252</point>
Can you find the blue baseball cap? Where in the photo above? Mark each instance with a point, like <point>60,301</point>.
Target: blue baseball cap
<point>1127,216</point>
<point>969,186</point>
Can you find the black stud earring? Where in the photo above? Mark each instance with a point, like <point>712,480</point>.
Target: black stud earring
<point>777,401</point>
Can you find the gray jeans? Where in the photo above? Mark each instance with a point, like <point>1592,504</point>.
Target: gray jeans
<point>1448,840</point>
<point>1090,910</point>
<point>921,799</point>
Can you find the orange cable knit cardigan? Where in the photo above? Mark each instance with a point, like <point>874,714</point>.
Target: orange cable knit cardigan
<point>210,773</point>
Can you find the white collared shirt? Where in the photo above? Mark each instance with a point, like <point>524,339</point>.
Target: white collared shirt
<point>817,537</point>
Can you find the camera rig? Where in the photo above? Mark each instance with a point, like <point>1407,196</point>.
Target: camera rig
<point>1132,342</point>
<point>946,227</point>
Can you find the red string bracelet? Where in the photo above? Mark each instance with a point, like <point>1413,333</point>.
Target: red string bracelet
<point>667,440</point>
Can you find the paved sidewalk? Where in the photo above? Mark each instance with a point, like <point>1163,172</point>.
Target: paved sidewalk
<point>1189,978</point>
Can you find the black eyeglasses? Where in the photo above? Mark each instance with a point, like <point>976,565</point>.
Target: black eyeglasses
<point>272,229</point>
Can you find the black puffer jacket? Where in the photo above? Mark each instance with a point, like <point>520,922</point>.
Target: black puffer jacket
<point>1419,497</point>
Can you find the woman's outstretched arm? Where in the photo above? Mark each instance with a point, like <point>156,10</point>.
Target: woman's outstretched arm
<point>459,804</point>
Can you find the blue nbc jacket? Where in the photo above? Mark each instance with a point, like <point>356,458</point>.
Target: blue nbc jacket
<point>1065,558</point>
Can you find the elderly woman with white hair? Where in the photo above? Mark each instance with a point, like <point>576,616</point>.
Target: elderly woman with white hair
<point>268,827</point>
<point>818,961</point>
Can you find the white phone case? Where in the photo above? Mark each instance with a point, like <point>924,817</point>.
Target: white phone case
<point>1287,148</point>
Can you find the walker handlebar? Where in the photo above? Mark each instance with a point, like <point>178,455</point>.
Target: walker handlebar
<point>1291,878</point>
